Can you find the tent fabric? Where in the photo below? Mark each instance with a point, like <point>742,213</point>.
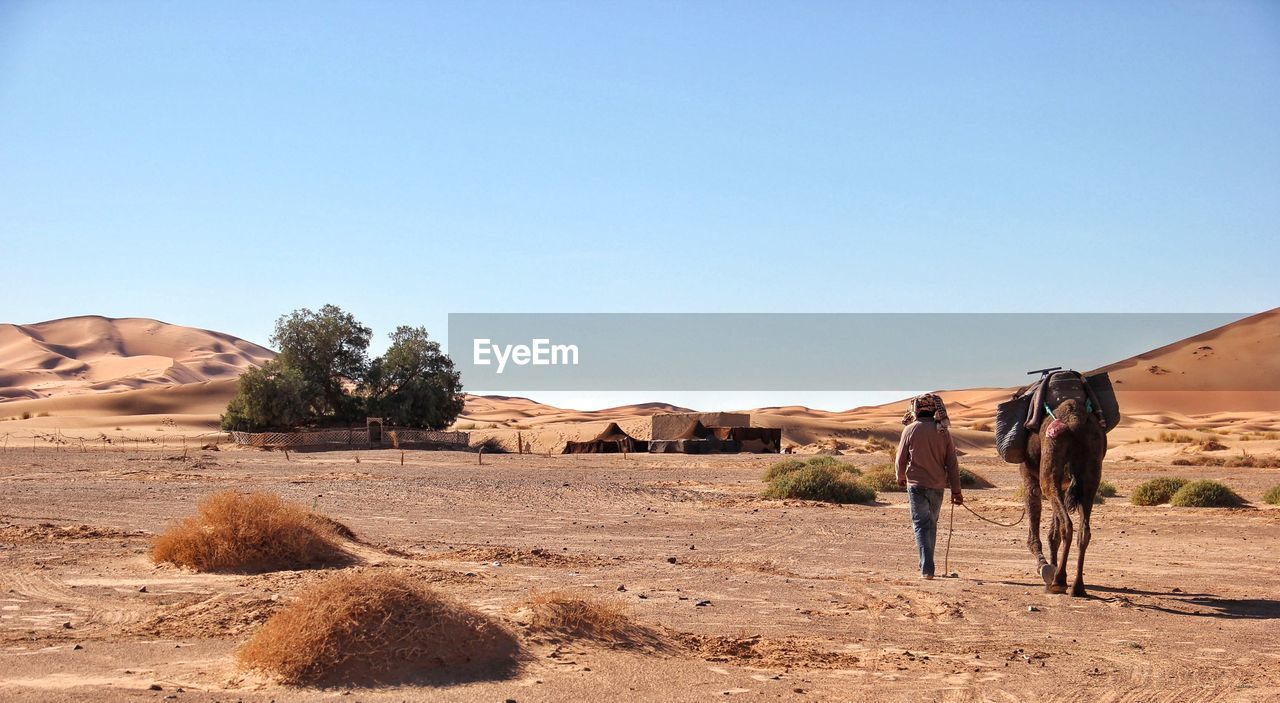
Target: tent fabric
<point>611,440</point>
<point>683,446</point>
<point>695,430</point>
<point>751,439</point>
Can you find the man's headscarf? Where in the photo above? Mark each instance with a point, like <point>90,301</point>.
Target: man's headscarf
<point>925,403</point>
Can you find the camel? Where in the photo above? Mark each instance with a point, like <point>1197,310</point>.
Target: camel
<point>1064,465</point>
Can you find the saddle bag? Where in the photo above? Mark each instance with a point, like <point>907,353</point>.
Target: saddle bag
<point>1011,430</point>
<point>1100,384</point>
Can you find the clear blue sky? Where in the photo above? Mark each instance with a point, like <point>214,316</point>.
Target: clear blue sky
<point>216,164</point>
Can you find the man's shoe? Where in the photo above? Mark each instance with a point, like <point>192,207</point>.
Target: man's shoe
<point>927,577</point>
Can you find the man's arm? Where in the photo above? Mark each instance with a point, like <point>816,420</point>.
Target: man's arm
<point>953,471</point>
<point>904,455</point>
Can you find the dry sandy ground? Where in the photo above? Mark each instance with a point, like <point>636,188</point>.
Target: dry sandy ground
<point>806,601</point>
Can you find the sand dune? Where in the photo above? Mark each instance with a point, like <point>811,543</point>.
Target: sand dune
<point>91,354</point>
<point>96,372</point>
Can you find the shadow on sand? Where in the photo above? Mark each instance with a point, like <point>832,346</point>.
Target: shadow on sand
<point>1204,605</point>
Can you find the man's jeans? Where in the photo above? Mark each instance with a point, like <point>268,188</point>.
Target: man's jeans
<point>926,506</point>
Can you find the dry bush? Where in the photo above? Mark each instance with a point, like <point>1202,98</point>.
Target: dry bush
<point>1206,494</point>
<point>1176,437</point>
<point>558,614</point>
<point>1211,445</point>
<point>877,444</point>
<point>1247,460</point>
<point>491,445</point>
<point>1199,461</point>
<point>982,427</point>
<point>1106,489</point>
<point>252,532</point>
<point>369,629</point>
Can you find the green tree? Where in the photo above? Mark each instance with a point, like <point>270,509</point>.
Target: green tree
<point>414,384</point>
<point>329,349</point>
<point>268,397</point>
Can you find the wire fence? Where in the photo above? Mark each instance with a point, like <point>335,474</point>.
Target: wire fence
<point>122,441</point>
<point>356,437</point>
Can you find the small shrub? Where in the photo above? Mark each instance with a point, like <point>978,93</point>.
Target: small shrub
<point>1199,461</point>
<point>830,462</point>
<point>251,532</point>
<point>1205,494</point>
<point>374,629</point>
<point>1212,445</point>
<point>26,415</point>
<point>883,479</point>
<point>1253,461</point>
<point>559,614</point>
<point>787,466</point>
<point>970,479</point>
<point>491,445</point>
<point>1176,437</point>
<point>982,427</point>
<point>877,444</point>
<point>1107,489</point>
<point>1156,491</point>
<point>820,483</point>
<point>1272,496</point>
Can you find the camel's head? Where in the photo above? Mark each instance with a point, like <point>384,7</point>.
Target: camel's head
<point>1072,413</point>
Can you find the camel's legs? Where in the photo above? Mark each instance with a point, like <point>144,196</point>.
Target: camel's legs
<point>1055,535</point>
<point>1064,519</point>
<point>1077,588</point>
<point>1031,499</point>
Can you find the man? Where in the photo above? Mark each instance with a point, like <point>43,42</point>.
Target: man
<point>926,465</point>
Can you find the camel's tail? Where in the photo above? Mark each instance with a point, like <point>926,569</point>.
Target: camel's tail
<point>1075,494</point>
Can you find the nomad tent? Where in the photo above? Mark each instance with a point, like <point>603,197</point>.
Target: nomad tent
<point>693,438</point>
<point>613,440</point>
<point>760,440</point>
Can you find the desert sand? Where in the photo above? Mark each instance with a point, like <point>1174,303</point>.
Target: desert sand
<point>800,600</point>
<point>805,601</point>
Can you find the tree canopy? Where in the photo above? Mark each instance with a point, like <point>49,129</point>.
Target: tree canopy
<point>329,349</point>
<point>323,375</point>
<point>271,396</point>
<point>414,384</point>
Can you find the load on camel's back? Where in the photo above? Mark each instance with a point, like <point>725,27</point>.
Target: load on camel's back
<point>1057,429</point>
